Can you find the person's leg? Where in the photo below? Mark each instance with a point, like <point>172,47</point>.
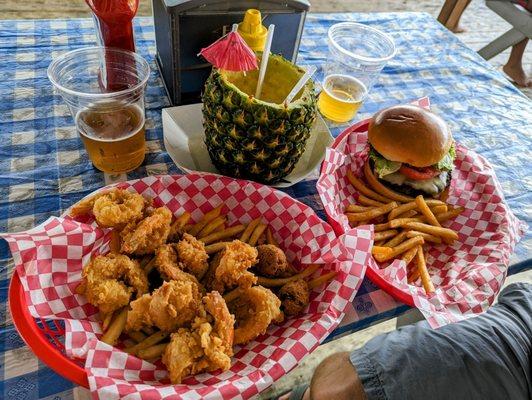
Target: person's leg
<point>485,357</point>
<point>514,66</point>
<point>453,22</point>
<point>446,10</point>
<point>334,378</point>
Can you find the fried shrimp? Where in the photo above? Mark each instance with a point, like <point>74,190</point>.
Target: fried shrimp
<point>138,317</point>
<point>174,304</point>
<point>272,262</point>
<point>294,296</point>
<point>171,306</point>
<point>191,253</point>
<point>117,208</point>
<point>148,234</point>
<point>109,281</point>
<point>229,268</point>
<point>255,309</point>
<point>224,321</point>
<point>166,262</point>
<point>206,346</point>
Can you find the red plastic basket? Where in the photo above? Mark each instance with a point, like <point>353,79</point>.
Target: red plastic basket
<point>43,339</point>
<point>385,285</point>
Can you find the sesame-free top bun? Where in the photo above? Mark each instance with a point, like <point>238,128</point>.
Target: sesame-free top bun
<point>409,134</point>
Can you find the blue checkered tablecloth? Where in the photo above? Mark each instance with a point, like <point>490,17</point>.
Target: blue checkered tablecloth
<point>44,169</point>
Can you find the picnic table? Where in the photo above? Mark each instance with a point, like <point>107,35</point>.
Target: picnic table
<point>44,168</point>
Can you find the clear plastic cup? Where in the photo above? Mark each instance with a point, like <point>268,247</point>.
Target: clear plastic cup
<point>357,55</point>
<point>104,90</point>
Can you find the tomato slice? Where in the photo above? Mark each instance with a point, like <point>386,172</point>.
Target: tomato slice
<point>418,174</point>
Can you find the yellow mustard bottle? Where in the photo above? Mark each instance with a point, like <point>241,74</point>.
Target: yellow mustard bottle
<point>252,30</point>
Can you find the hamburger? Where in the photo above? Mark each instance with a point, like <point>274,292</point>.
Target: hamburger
<point>412,150</point>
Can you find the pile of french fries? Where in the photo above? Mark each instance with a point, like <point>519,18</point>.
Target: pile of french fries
<point>402,224</point>
<point>213,230</point>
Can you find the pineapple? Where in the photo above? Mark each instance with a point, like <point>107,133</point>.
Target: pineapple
<point>261,140</point>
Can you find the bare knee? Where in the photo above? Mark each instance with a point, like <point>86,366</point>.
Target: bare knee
<point>336,378</point>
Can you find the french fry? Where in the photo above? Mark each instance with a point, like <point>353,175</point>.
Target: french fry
<point>403,208</point>
<point>148,330</point>
<point>439,209</point>
<point>354,208</point>
<point>373,213</point>
<point>215,247</point>
<point>275,282</point>
<point>209,216</point>
<point>180,222</point>
<point>362,188</point>
<point>211,226</point>
<point>144,261</point>
<point>445,194</point>
<point>225,234</point>
<point>399,222</point>
<point>400,238</point>
<point>425,210</point>
<point>381,227</point>
<point>128,342</point>
<point>270,239</point>
<point>149,266</point>
<point>137,336</point>
<point>152,352</point>
<point>444,233</point>
<point>423,273</point>
<point>114,243</point>
<point>442,217</point>
<point>107,321</point>
<point>148,342</point>
<point>385,234</point>
<point>381,189</point>
<point>355,224</point>
<point>408,214</point>
<point>369,202</point>
<point>379,242</point>
<point>233,294</point>
<point>116,327</point>
<point>249,230</point>
<point>401,248</point>
<point>427,236</point>
<point>219,228</point>
<point>321,279</point>
<point>259,230</point>
<point>409,255</point>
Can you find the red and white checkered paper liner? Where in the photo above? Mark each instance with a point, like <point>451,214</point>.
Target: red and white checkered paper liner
<point>49,260</point>
<point>468,274</point>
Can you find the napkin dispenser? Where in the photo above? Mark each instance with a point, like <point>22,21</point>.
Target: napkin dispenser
<point>183,27</point>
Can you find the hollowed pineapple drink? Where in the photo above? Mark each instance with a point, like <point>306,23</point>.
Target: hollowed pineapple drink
<point>260,140</point>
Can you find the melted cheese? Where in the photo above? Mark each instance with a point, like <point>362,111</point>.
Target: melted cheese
<point>431,186</point>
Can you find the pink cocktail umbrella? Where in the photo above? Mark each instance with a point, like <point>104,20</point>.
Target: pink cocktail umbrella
<point>230,53</point>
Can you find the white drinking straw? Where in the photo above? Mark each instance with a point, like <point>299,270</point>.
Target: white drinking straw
<point>299,85</point>
<point>264,60</point>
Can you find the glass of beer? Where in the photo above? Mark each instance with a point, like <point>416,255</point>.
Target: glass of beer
<point>357,54</point>
<point>104,90</point>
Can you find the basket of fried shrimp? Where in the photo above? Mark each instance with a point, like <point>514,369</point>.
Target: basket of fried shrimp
<point>196,286</point>
<point>448,257</point>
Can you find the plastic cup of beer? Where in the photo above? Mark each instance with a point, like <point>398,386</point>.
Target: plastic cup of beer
<point>357,55</point>
<point>104,90</point>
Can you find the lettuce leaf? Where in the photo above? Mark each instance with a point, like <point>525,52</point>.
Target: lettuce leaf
<point>383,166</point>
<point>447,162</point>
